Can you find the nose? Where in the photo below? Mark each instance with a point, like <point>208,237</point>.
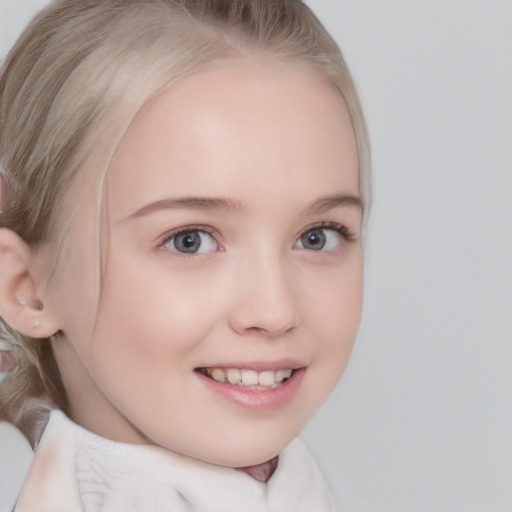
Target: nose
<point>266,300</point>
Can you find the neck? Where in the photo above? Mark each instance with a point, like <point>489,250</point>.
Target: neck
<point>262,472</point>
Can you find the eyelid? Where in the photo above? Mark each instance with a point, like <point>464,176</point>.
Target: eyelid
<point>341,228</point>
<point>347,234</point>
<point>339,231</point>
<point>169,235</point>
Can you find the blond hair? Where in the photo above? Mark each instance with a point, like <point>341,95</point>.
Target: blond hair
<point>75,80</point>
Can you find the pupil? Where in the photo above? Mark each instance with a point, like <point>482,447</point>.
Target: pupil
<point>189,242</point>
<point>314,240</point>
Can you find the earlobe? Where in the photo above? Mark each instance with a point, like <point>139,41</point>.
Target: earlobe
<point>21,304</point>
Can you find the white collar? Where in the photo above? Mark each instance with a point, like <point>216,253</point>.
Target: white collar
<point>75,470</point>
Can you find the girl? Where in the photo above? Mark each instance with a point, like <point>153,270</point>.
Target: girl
<point>181,262</point>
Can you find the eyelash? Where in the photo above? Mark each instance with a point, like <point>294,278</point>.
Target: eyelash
<point>341,229</point>
<point>182,231</point>
<point>334,226</point>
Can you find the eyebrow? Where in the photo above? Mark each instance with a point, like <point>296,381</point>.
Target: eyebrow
<point>205,204</point>
<point>209,204</point>
<point>324,204</point>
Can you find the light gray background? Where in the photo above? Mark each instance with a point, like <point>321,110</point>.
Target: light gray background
<point>422,420</point>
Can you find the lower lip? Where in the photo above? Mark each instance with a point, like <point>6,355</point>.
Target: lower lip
<point>257,399</point>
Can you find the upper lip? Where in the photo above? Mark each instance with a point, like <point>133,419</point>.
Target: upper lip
<point>260,366</point>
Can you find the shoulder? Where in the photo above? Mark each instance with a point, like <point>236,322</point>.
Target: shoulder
<point>15,459</point>
<point>53,460</point>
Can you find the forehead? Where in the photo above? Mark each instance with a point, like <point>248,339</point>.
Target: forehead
<point>262,126</point>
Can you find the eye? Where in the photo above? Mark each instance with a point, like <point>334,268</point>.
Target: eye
<point>323,238</point>
<point>191,241</point>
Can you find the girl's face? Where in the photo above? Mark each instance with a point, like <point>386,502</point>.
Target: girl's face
<point>232,254</point>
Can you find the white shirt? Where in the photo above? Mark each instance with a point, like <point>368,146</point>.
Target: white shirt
<point>75,470</point>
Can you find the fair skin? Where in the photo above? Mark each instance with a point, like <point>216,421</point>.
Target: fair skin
<point>255,165</point>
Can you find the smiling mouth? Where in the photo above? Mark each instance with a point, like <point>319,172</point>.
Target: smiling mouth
<point>246,378</point>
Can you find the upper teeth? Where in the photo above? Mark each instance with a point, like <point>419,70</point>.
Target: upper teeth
<point>249,378</point>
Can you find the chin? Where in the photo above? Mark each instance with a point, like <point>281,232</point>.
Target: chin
<point>248,453</point>
<point>245,459</point>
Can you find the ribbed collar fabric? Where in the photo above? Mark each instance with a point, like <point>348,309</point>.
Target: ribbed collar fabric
<point>75,470</point>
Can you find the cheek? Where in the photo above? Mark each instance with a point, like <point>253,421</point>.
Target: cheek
<point>335,310</point>
<point>150,326</point>
<point>154,316</point>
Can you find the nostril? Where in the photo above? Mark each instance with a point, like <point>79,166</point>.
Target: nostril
<point>273,331</point>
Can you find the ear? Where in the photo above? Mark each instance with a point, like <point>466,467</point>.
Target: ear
<point>21,295</point>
